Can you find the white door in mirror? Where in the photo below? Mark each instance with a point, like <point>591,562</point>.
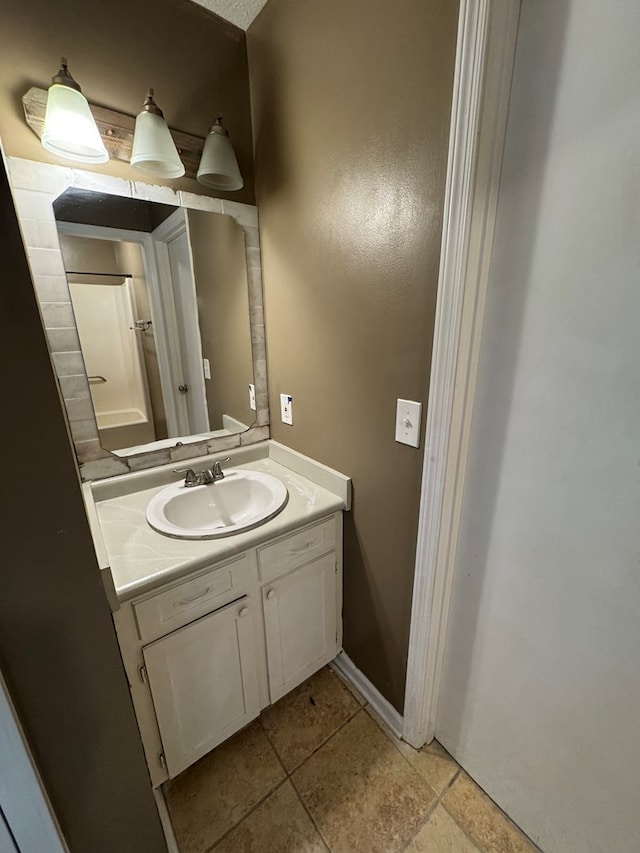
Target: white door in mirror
<point>242,500</point>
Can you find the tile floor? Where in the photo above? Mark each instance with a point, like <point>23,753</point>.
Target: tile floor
<point>319,772</point>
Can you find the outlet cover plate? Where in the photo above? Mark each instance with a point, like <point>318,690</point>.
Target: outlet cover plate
<point>286,409</point>
<point>408,415</point>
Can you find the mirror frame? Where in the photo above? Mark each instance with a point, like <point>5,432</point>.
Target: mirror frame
<point>35,186</point>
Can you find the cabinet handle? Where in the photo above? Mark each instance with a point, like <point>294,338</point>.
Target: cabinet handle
<point>271,594</point>
<point>302,548</point>
<point>191,600</point>
<point>244,612</point>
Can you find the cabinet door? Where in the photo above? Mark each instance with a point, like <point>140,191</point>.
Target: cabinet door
<point>203,681</point>
<point>300,623</point>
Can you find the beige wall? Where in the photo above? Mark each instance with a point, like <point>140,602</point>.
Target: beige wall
<point>220,269</point>
<point>58,649</point>
<point>351,108</point>
<point>195,61</point>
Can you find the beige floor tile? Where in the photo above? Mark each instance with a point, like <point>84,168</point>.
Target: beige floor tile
<point>432,762</point>
<point>441,834</point>
<point>306,717</point>
<point>279,825</point>
<point>213,795</point>
<point>481,818</point>
<point>361,792</point>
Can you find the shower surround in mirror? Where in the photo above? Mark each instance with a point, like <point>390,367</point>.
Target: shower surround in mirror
<point>36,186</point>
<point>161,304</point>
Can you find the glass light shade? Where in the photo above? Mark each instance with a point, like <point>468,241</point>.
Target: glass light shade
<point>69,127</point>
<point>218,168</point>
<point>154,150</point>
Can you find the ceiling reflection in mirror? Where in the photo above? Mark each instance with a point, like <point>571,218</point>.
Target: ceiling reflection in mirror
<point>161,307</point>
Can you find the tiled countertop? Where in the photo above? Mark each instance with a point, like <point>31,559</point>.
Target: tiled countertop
<point>140,559</point>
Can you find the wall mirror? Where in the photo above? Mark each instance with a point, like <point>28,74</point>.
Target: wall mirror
<point>153,312</point>
<point>161,306</point>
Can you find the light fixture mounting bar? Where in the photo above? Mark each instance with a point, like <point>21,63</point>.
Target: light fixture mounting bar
<point>116,130</point>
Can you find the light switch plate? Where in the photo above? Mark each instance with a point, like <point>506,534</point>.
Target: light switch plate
<point>286,409</point>
<point>252,396</point>
<point>408,414</point>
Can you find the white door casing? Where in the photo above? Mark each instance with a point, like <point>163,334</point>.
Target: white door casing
<point>484,67</point>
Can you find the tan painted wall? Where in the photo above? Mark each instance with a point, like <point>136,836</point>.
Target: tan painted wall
<point>220,269</point>
<point>195,61</point>
<point>58,648</point>
<point>351,108</point>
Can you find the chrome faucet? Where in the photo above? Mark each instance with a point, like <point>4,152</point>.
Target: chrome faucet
<point>191,479</point>
<point>216,472</point>
<point>205,477</point>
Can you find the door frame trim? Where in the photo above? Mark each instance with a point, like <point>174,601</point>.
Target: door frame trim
<point>485,56</point>
<point>24,802</point>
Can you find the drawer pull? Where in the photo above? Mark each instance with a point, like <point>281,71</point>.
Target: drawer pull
<point>244,612</point>
<point>302,548</point>
<point>191,600</point>
<point>271,594</point>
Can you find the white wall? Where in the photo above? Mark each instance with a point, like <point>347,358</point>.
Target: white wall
<point>541,688</point>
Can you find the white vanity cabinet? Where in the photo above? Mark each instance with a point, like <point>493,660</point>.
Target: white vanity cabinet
<point>205,654</point>
<point>204,683</point>
<point>299,605</point>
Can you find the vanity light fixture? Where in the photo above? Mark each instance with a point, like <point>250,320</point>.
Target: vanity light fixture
<point>69,128</point>
<point>154,150</point>
<point>218,166</point>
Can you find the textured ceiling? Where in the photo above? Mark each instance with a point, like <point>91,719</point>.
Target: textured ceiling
<point>239,12</point>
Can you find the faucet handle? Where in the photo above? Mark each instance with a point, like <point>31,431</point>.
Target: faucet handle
<point>191,478</point>
<point>217,470</point>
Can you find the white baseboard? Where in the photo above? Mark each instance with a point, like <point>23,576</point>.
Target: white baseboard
<point>346,667</point>
<point>165,820</point>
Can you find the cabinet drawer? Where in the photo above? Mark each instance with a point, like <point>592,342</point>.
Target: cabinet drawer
<point>278,559</point>
<point>163,612</point>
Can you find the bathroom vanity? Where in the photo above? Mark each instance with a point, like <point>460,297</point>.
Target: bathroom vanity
<point>214,630</point>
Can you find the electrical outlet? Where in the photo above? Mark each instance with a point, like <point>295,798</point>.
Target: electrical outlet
<point>286,409</point>
<point>252,397</point>
<point>408,414</point>
<point>207,368</point>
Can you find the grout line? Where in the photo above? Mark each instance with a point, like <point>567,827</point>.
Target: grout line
<point>477,843</point>
<point>311,817</point>
<point>434,806</point>
<point>464,830</point>
<point>288,777</point>
<point>272,745</point>
<point>325,741</point>
<point>316,748</point>
<point>246,815</point>
<point>449,785</point>
<point>289,774</point>
<point>395,741</point>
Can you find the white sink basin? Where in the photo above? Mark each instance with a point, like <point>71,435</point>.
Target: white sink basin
<point>242,500</point>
